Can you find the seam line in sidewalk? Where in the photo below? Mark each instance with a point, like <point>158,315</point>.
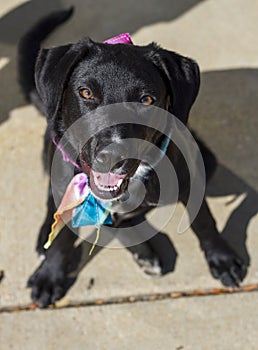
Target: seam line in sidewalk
<point>66,303</point>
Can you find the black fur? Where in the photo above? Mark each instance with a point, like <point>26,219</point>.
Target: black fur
<point>117,73</point>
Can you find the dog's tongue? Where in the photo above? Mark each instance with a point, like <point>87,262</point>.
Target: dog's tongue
<point>108,179</point>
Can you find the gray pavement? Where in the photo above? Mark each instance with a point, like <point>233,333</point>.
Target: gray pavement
<point>221,36</point>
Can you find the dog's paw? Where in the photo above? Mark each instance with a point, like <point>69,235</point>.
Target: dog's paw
<point>47,284</point>
<point>149,264</point>
<point>224,263</point>
<point>146,259</point>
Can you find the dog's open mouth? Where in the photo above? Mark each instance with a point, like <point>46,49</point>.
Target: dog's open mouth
<point>105,186</point>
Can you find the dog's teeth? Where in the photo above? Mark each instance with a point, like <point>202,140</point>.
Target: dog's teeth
<point>107,188</point>
<point>119,182</point>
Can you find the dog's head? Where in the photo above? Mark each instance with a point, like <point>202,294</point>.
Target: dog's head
<point>76,80</point>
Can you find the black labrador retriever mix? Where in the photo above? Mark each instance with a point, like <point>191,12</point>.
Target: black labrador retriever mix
<point>76,79</point>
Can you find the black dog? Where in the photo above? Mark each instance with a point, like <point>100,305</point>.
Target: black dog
<point>74,80</point>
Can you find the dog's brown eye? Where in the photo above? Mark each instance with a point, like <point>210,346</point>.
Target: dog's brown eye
<point>86,93</point>
<point>147,100</point>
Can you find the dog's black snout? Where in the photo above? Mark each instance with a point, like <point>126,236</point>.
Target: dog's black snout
<point>110,159</point>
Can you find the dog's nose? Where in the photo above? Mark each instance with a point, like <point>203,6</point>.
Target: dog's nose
<point>110,159</point>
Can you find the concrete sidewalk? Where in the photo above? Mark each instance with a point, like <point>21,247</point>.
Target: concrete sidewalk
<point>221,36</point>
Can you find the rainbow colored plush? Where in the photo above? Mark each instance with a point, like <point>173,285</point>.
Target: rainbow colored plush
<point>80,207</point>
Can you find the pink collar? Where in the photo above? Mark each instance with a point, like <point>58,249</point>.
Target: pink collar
<point>119,39</point>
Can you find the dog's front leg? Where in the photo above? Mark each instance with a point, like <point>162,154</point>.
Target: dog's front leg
<point>223,262</point>
<point>48,282</point>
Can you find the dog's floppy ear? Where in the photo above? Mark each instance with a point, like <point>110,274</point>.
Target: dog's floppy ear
<point>52,72</point>
<point>182,77</point>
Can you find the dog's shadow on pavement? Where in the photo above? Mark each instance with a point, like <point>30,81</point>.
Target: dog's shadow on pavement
<point>225,183</point>
<point>225,117</point>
